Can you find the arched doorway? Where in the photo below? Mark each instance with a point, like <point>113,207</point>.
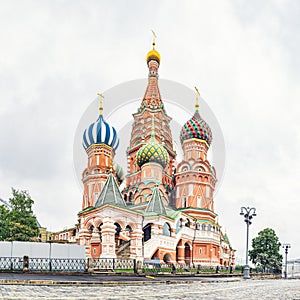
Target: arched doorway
<point>187,254</point>
<point>147,232</point>
<point>167,258</point>
<point>117,235</point>
<point>100,235</point>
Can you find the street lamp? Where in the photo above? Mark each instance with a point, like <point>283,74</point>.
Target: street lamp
<point>286,247</point>
<point>248,214</point>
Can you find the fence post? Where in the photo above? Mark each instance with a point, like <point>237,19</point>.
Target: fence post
<point>25,263</point>
<point>50,264</point>
<point>87,264</point>
<point>173,269</point>
<point>135,267</point>
<point>113,266</point>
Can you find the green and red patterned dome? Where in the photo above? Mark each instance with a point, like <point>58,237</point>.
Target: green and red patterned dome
<point>152,152</point>
<point>196,128</point>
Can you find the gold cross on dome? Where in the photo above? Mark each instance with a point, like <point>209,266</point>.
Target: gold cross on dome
<point>197,98</point>
<point>154,38</point>
<point>101,103</point>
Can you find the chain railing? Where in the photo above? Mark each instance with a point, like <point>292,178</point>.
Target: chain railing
<point>113,264</point>
<point>42,264</point>
<point>68,264</point>
<point>156,267</point>
<point>65,264</point>
<point>11,263</point>
<point>109,264</point>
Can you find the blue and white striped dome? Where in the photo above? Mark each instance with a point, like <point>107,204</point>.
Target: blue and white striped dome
<point>100,132</point>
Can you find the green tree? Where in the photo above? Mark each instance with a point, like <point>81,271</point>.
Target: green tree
<point>18,222</point>
<point>265,250</point>
<point>4,223</point>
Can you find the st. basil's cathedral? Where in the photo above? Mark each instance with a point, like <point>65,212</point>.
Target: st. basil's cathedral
<point>166,209</point>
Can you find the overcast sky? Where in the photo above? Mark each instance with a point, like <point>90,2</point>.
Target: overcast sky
<point>55,56</point>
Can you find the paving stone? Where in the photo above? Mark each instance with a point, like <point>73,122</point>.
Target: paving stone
<point>250,290</point>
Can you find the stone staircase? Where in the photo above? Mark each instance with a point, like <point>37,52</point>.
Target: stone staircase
<point>124,250</point>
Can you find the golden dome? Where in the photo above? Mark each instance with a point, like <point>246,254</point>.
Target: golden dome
<point>153,55</point>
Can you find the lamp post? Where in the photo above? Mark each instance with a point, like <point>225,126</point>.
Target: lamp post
<point>248,214</point>
<point>286,247</point>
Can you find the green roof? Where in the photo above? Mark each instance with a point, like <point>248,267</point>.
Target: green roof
<point>173,214</point>
<point>110,193</point>
<point>196,209</point>
<point>156,204</point>
<point>226,239</point>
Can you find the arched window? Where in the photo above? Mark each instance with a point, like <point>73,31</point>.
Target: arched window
<point>167,230</point>
<point>208,228</point>
<point>128,228</point>
<point>187,223</point>
<point>118,229</point>
<point>167,258</point>
<point>203,227</point>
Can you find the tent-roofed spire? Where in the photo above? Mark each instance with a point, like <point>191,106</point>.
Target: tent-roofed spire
<point>226,239</point>
<point>156,204</point>
<point>152,98</point>
<point>110,193</point>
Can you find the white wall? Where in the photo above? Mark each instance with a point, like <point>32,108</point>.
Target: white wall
<point>41,250</point>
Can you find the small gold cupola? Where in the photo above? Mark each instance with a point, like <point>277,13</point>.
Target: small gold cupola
<point>153,54</point>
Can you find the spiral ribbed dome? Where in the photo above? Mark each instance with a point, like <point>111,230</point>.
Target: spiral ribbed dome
<point>100,132</point>
<point>196,128</point>
<point>152,152</point>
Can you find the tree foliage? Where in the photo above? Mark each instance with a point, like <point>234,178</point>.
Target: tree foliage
<point>265,250</point>
<point>18,222</point>
<point>4,223</point>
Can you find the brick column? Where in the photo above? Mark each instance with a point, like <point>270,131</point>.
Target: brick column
<point>108,245</point>
<point>180,248</point>
<point>136,244</point>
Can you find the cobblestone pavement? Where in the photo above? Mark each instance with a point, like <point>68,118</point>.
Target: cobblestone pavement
<point>250,290</point>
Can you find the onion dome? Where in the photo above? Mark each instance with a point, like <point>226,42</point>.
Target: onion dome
<point>196,128</point>
<point>100,132</point>
<point>153,151</point>
<point>153,55</point>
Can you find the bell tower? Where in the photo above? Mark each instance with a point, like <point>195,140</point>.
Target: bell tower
<point>151,107</point>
